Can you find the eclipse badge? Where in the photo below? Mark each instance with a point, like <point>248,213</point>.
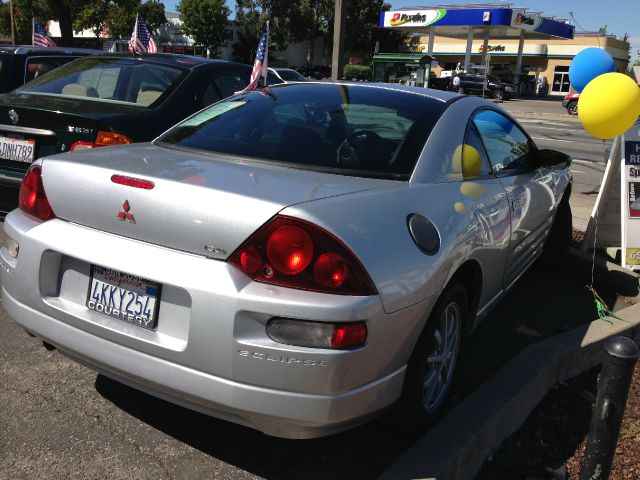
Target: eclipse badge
<point>13,116</point>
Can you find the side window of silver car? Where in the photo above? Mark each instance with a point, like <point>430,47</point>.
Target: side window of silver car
<point>474,157</point>
<point>507,146</point>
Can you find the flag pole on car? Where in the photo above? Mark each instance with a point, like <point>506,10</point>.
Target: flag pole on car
<point>40,37</point>
<point>260,65</point>
<point>141,40</point>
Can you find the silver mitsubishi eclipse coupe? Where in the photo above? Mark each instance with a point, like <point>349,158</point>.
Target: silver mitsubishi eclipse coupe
<point>295,259</point>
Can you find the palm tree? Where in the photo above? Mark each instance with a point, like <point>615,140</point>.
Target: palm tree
<point>244,50</point>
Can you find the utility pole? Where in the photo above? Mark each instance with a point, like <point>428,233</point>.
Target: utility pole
<point>13,30</point>
<point>337,62</point>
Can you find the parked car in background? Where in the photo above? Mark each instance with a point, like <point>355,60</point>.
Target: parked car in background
<point>20,64</point>
<point>295,259</point>
<point>105,100</point>
<point>284,75</point>
<point>475,84</point>
<point>570,102</point>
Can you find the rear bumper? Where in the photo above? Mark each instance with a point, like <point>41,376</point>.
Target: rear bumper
<point>274,412</point>
<point>210,351</point>
<point>9,189</point>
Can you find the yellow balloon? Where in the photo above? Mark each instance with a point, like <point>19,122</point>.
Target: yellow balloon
<point>609,105</point>
<point>468,160</point>
<point>472,189</point>
<point>460,207</point>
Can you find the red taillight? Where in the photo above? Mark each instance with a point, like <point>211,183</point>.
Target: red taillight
<point>349,335</point>
<point>290,249</point>
<point>32,198</point>
<point>103,139</point>
<point>294,253</point>
<point>330,270</point>
<point>76,146</point>
<point>132,182</point>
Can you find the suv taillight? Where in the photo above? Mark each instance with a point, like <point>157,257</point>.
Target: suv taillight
<point>294,253</point>
<point>32,198</point>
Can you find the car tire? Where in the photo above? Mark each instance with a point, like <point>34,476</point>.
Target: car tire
<point>431,370</point>
<point>498,94</point>
<point>558,242</point>
<point>572,108</point>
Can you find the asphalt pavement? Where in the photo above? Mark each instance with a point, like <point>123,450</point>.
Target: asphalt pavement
<point>60,420</point>
<point>553,128</point>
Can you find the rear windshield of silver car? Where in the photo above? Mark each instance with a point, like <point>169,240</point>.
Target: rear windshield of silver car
<point>111,80</point>
<point>342,128</point>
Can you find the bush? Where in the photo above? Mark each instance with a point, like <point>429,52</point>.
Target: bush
<point>359,72</point>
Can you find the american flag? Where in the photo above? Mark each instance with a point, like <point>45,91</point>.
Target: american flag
<point>260,65</point>
<point>40,37</point>
<point>141,40</point>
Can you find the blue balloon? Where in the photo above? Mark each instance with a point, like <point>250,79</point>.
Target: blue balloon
<point>589,64</point>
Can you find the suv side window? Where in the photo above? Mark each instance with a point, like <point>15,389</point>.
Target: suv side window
<point>230,82</point>
<point>36,66</point>
<point>508,147</point>
<point>224,85</point>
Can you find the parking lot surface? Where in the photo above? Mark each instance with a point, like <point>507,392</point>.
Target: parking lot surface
<point>61,420</point>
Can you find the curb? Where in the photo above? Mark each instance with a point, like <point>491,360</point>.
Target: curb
<point>457,447</point>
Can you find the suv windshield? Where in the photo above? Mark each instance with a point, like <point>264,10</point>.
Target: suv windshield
<point>117,80</point>
<point>358,130</point>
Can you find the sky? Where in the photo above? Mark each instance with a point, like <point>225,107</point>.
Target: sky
<point>589,15</point>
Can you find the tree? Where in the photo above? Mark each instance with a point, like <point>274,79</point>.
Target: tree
<point>244,50</point>
<point>204,21</point>
<point>119,16</point>
<point>362,28</point>
<point>277,12</point>
<point>25,10</point>
<point>309,20</point>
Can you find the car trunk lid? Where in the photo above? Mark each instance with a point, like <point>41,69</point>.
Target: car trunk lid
<point>199,203</point>
<point>46,124</point>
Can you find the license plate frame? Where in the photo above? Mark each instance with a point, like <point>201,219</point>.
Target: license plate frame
<point>11,144</point>
<point>105,281</point>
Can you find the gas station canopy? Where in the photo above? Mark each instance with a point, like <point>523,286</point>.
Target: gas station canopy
<point>487,20</point>
<point>457,21</point>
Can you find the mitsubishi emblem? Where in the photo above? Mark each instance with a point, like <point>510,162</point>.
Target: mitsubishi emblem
<point>13,116</point>
<point>124,214</point>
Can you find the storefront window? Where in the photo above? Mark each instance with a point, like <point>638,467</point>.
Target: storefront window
<point>561,79</point>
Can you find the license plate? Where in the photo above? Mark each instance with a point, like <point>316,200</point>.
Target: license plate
<point>123,296</point>
<point>20,150</point>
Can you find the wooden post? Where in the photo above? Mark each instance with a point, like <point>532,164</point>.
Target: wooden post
<point>337,62</point>
<point>13,29</point>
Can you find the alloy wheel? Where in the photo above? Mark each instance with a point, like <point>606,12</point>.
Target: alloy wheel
<point>442,356</point>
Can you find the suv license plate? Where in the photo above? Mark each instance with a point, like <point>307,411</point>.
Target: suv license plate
<point>20,150</point>
<point>123,296</point>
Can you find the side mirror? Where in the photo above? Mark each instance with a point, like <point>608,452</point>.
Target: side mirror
<point>553,158</point>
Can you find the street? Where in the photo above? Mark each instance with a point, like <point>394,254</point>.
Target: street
<point>551,127</point>
<point>589,154</point>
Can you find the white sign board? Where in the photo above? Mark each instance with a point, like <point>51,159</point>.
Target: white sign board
<point>524,20</point>
<point>413,18</point>
<point>630,205</point>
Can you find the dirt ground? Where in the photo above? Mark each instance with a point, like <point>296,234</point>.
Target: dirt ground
<point>551,443</point>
